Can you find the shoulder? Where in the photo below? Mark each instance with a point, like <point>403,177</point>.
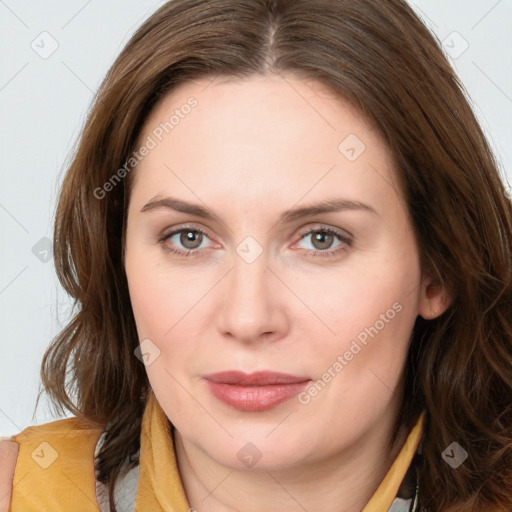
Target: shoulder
<point>72,437</point>
<point>38,457</point>
<point>68,427</point>
<point>8,457</point>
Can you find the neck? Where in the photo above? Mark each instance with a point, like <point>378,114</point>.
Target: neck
<point>343,482</point>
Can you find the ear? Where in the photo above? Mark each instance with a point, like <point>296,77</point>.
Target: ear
<point>434,299</point>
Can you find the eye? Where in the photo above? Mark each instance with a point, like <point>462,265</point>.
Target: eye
<point>188,241</point>
<point>322,240</point>
<point>184,241</point>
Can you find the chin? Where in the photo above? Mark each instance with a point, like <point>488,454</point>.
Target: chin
<point>251,450</point>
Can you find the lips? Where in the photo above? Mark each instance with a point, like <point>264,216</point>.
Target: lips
<point>257,391</point>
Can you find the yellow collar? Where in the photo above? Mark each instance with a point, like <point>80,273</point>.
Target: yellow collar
<point>159,472</point>
<point>388,488</point>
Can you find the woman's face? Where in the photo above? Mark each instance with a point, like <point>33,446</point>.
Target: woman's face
<point>302,262</point>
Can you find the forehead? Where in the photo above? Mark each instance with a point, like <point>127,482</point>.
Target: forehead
<point>262,133</point>
<point>307,105</point>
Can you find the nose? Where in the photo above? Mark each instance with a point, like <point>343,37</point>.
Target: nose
<point>253,302</point>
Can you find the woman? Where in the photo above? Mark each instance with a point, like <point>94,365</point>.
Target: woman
<point>290,249</point>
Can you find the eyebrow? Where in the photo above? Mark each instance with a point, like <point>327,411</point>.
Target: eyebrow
<point>327,206</point>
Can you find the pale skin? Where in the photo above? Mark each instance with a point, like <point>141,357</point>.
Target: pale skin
<point>250,150</point>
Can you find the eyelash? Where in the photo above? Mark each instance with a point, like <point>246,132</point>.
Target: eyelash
<point>315,253</point>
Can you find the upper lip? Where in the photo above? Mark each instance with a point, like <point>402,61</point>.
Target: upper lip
<point>261,378</point>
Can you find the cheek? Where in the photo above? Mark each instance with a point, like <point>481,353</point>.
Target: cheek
<point>159,296</point>
<point>358,371</point>
<point>160,302</point>
<point>358,302</point>
<point>365,328</point>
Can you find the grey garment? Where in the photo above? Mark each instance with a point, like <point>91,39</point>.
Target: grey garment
<point>126,491</point>
<point>401,505</point>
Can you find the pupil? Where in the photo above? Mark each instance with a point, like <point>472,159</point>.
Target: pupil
<point>190,237</point>
<point>324,240</point>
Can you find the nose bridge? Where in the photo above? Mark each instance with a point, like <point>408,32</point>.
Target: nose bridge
<point>248,279</point>
<point>250,303</point>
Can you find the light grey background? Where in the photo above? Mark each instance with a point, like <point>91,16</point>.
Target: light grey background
<point>43,102</point>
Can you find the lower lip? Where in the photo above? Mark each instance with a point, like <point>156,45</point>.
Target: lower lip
<point>255,398</point>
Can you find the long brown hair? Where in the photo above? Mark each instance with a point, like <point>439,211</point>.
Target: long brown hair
<point>381,58</point>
